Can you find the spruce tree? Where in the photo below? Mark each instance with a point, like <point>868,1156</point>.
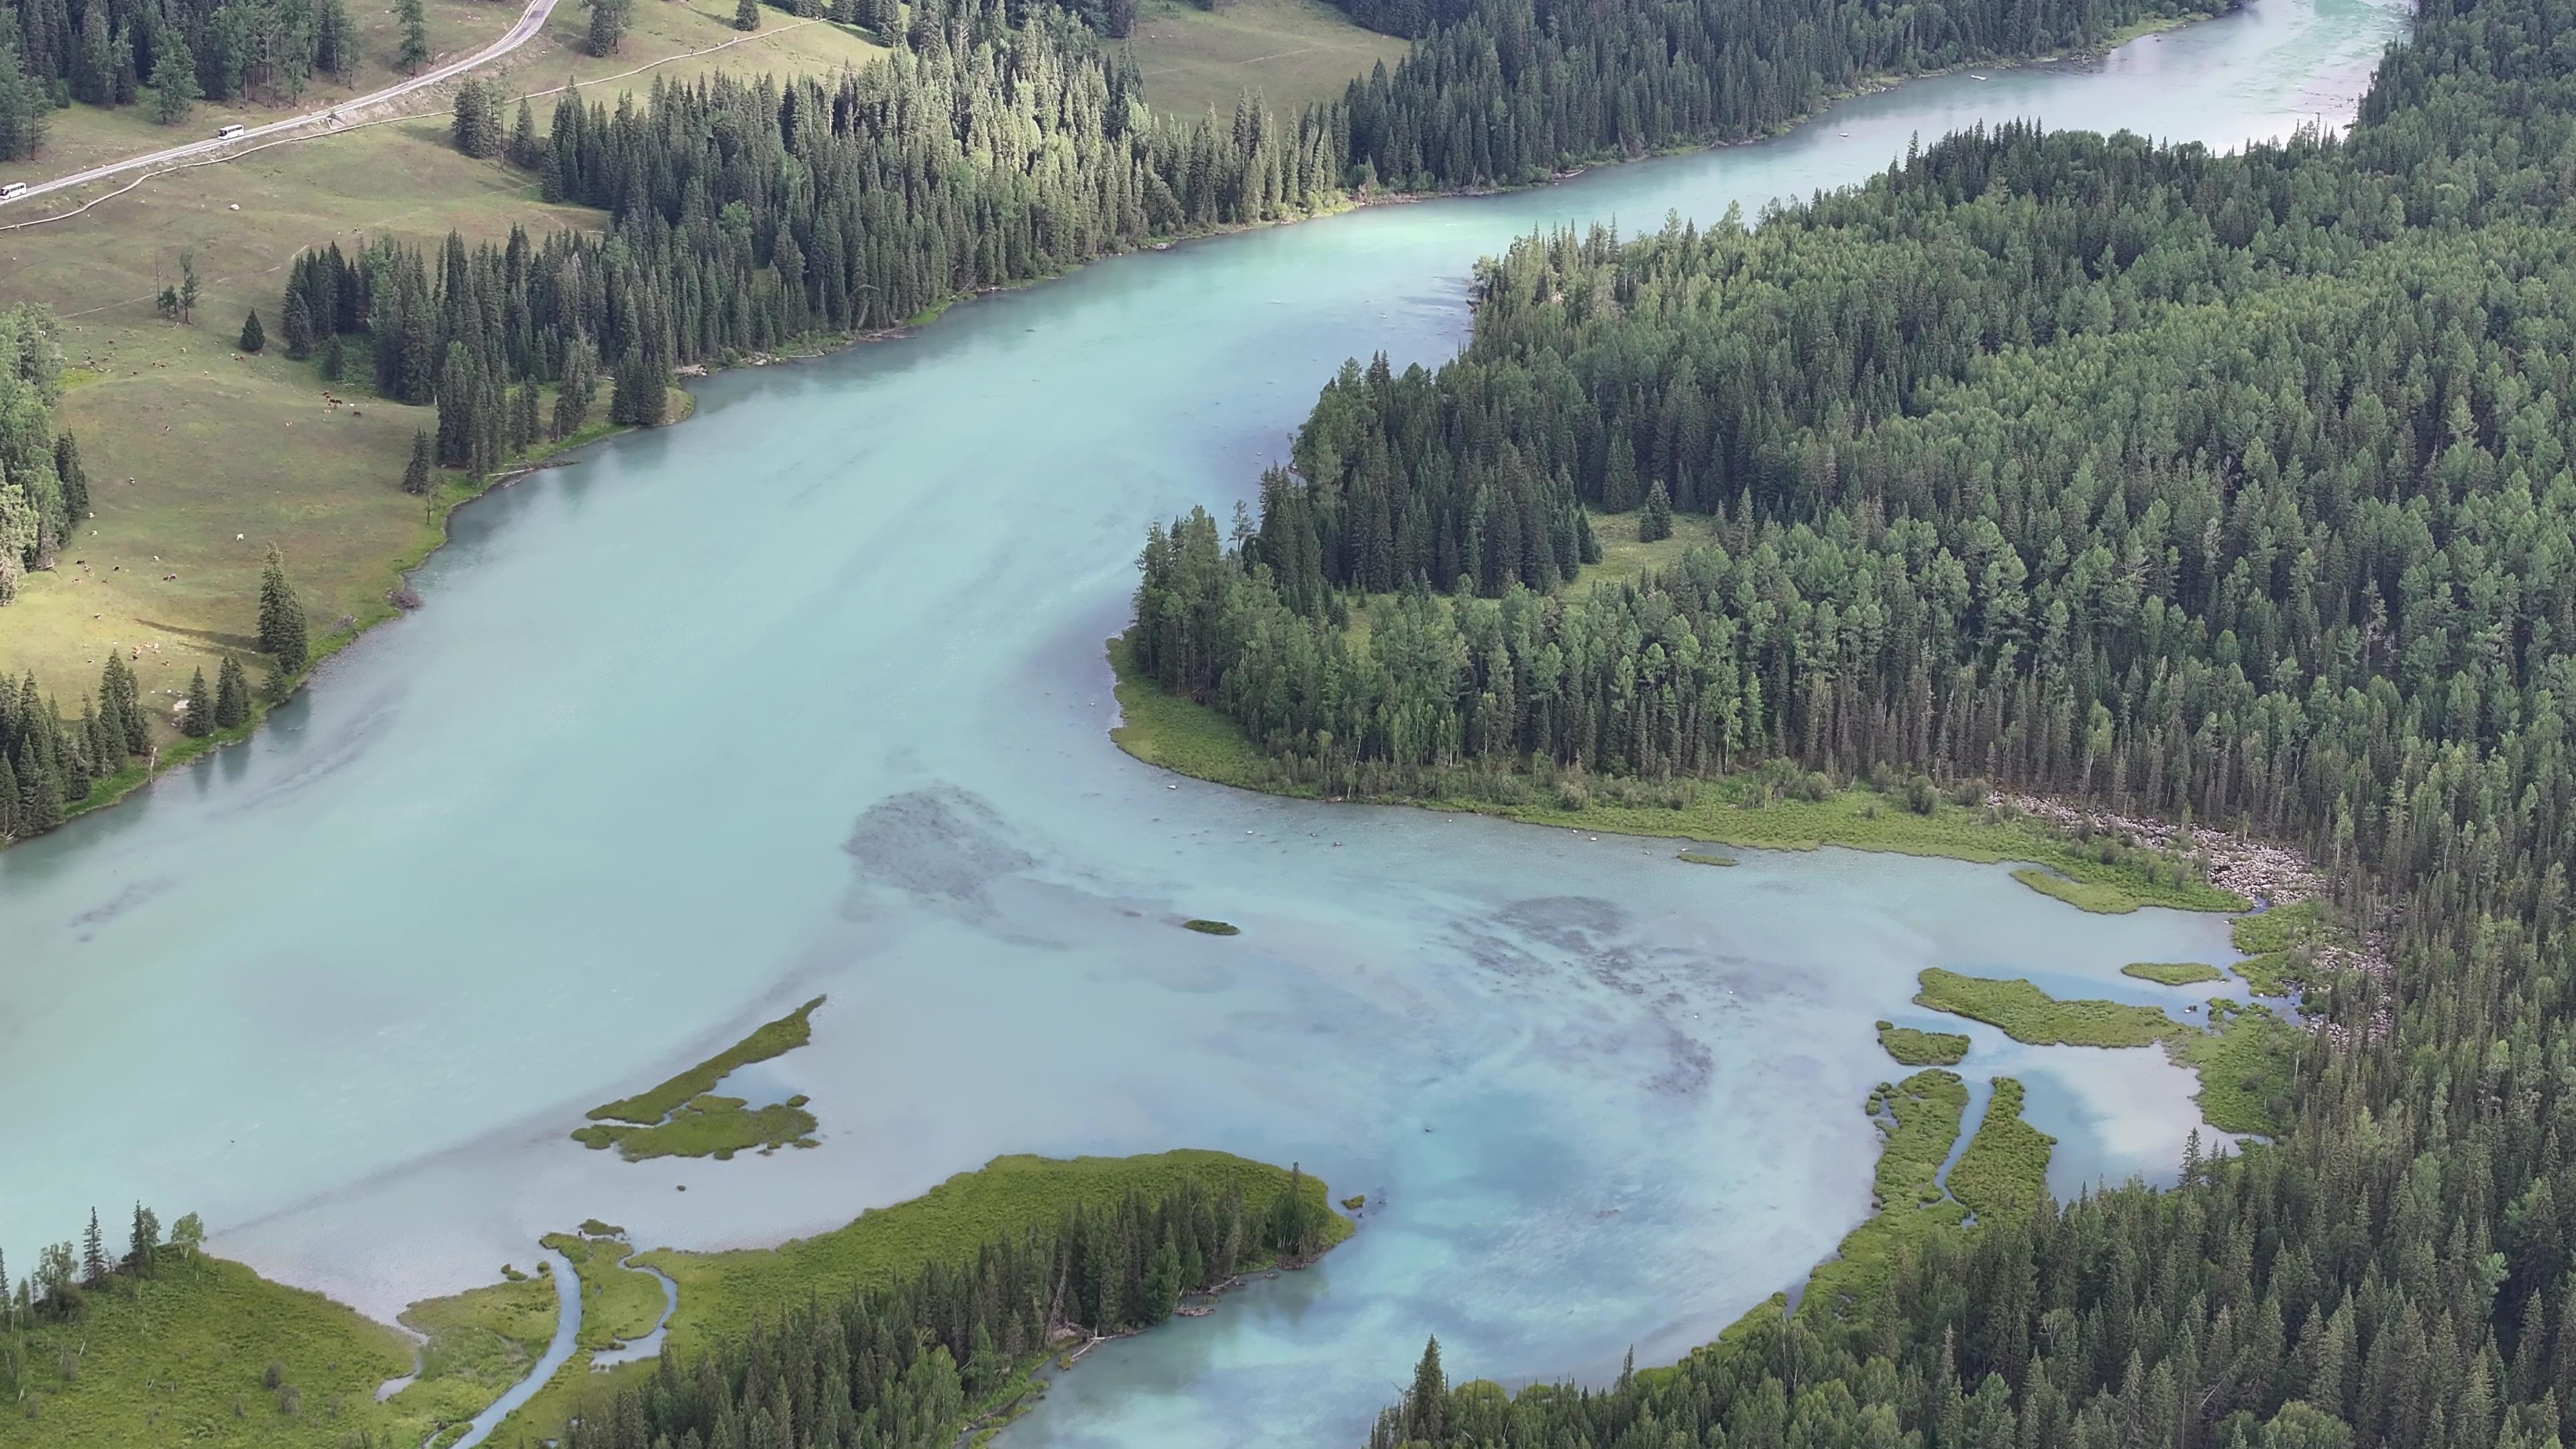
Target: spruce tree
<point>415,38</point>
<point>72,476</point>
<point>525,149</point>
<point>416,474</point>
<point>281,616</point>
<point>746,15</point>
<point>174,77</point>
<point>93,1254</point>
<point>199,721</point>
<point>638,398</point>
<point>297,321</point>
<point>1656,523</point>
<point>607,25</point>
<point>232,695</point>
<point>253,338</point>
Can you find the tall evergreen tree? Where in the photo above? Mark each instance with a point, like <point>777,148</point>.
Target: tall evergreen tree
<point>232,695</point>
<point>253,338</point>
<point>199,720</point>
<point>281,616</point>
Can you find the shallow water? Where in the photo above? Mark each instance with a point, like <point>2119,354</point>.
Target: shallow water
<point>807,695</point>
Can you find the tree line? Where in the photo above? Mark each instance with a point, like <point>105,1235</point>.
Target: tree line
<point>2230,487</point>
<point>908,1366</point>
<point>108,52</point>
<point>67,1274</point>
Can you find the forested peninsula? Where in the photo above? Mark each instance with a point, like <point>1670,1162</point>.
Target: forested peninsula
<point>2220,488</point>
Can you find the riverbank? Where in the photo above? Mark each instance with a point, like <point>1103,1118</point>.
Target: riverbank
<point>1764,810</point>
<point>206,1351</point>
<point>378,604</point>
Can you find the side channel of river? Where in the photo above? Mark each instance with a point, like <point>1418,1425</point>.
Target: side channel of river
<point>806,695</point>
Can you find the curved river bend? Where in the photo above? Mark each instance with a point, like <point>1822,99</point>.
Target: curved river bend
<point>807,695</point>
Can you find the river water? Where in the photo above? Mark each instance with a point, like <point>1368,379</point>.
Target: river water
<point>807,696</point>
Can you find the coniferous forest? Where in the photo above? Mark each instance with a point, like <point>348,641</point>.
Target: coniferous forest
<point>1001,143</point>
<point>2234,488</point>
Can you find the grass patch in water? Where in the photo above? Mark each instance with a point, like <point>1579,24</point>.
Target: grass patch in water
<point>2246,1063</point>
<point>708,1126</point>
<point>2004,1172</point>
<point>683,1117</point>
<point>1919,1118</point>
<point>2172,973</point>
<point>1214,928</point>
<point>1916,1048</point>
<point>2100,897</point>
<point>770,1039</point>
<point>1701,857</point>
<point>2030,1015</point>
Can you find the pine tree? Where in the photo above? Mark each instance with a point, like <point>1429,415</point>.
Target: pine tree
<point>199,721</point>
<point>525,149</point>
<point>638,398</point>
<point>335,359</point>
<point>252,337</point>
<point>232,695</point>
<point>746,15</point>
<point>416,474</point>
<point>93,1254</point>
<point>1426,1404</point>
<point>297,321</point>
<point>281,616</point>
<point>607,25</point>
<point>72,476</point>
<point>1656,523</point>
<point>174,77</point>
<point>415,38</point>
<point>143,1240</point>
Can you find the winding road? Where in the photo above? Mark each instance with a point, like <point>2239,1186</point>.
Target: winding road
<point>530,21</point>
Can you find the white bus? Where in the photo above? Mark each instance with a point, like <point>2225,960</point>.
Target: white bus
<point>11,191</point>
<point>226,133</point>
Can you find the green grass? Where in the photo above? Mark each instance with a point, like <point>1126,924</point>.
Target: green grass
<point>2004,1172</point>
<point>480,1343</point>
<point>2028,1014</point>
<point>1291,51</point>
<point>1162,728</point>
<point>2246,1063</point>
<point>1915,1048</point>
<point>721,1294</point>
<point>708,1126</point>
<point>182,1358</point>
<point>769,1039</point>
<point>1180,735</point>
<point>1214,928</point>
<point>2276,944</point>
<point>618,1305</point>
<point>1701,857</point>
<point>1920,1119</point>
<point>2101,898</point>
<point>2173,973</point>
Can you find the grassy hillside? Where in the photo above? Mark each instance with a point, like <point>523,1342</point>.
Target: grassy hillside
<point>200,456</point>
<point>1292,51</point>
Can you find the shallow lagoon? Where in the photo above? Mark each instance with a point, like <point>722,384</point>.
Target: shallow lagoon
<point>807,696</point>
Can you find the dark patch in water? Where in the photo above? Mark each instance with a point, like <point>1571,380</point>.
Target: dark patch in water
<point>125,900</point>
<point>1569,923</point>
<point>938,844</point>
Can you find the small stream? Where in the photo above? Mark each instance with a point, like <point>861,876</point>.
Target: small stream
<point>558,1353</point>
<point>650,1345</point>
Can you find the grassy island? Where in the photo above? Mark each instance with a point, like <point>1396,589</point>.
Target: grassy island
<point>2172,973</point>
<point>1214,928</point>
<point>2004,1172</point>
<point>2028,1014</point>
<point>1917,1048</point>
<point>683,1117</point>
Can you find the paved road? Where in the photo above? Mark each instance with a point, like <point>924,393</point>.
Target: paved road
<point>531,20</point>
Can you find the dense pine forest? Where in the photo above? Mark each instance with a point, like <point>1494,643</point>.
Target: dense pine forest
<point>105,52</point>
<point>2234,488</point>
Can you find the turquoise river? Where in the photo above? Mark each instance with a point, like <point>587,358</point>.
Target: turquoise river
<point>807,695</point>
